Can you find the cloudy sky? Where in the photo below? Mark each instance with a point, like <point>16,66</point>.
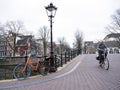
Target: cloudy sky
<point>88,16</point>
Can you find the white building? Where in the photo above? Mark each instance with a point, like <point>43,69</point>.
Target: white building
<point>112,41</point>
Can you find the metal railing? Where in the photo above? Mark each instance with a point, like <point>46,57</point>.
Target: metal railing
<point>7,64</point>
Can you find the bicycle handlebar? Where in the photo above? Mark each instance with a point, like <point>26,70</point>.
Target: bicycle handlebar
<point>104,50</point>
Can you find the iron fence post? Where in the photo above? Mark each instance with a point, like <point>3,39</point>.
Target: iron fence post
<point>56,62</point>
<point>65,58</point>
<point>61,60</point>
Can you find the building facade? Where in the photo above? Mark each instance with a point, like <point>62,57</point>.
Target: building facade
<point>89,47</point>
<point>27,44</point>
<point>112,42</point>
<point>3,46</point>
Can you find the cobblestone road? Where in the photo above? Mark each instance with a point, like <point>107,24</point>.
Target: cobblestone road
<point>82,73</point>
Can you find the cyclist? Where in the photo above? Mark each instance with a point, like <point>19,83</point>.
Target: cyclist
<point>101,50</point>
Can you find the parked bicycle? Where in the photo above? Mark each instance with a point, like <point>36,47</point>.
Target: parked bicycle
<point>23,70</point>
<point>103,60</point>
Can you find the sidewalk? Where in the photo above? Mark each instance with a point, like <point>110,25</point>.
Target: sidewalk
<point>5,84</point>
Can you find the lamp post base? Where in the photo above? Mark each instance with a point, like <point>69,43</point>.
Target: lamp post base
<point>53,69</point>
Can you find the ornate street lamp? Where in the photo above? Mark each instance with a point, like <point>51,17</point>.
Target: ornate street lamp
<point>51,11</point>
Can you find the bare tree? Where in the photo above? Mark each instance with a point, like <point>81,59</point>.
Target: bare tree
<point>114,27</point>
<point>2,30</point>
<point>13,28</point>
<point>61,42</point>
<point>44,36</point>
<point>78,40</point>
<point>64,46</point>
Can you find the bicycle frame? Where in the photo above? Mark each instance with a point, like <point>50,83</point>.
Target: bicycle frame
<point>31,65</point>
<point>104,52</point>
<point>105,62</point>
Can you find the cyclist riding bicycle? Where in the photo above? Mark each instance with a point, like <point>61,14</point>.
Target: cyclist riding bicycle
<point>102,49</point>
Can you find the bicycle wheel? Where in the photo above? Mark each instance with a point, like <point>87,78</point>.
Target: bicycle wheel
<point>19,73</point>
<point>41,69</point>
<point>47,69</point>
<point>106,63</point>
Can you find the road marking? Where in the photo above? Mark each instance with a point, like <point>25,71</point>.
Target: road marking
<point>41,81</point>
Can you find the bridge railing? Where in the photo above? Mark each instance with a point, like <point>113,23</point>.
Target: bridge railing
<point>7,64</point>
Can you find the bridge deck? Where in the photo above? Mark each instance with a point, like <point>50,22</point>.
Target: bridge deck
<point>82,73</point>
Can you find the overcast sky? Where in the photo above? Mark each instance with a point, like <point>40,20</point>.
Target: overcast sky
<point>89,16</point>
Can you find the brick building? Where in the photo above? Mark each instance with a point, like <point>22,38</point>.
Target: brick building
<point>27,44</point>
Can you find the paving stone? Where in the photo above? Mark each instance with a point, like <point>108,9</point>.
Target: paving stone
<point>82,73</point>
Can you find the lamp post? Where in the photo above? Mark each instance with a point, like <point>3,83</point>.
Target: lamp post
<point>51,11</point>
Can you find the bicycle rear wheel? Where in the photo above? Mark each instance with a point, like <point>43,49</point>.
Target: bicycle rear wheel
<point>47,70</point>
<point>106,63</point>
<point>41,69</point>
<point>19,73</point>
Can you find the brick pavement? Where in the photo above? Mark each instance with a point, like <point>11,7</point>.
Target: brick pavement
<point>82,73</point>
